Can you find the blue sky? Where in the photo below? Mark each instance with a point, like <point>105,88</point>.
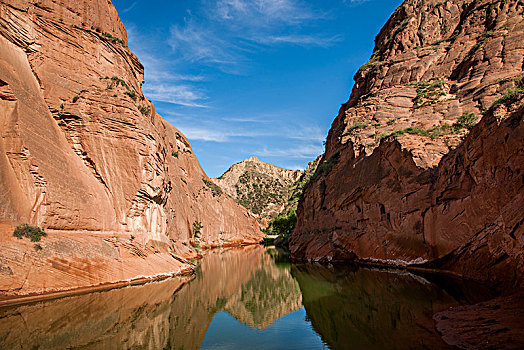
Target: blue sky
<point>252,77</point>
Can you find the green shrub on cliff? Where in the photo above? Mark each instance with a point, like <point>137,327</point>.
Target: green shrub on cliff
<point>520,82</point>
<point>508,96</point>
<point>197,228</point>
<point>511,95</point>
<point>116,81</point>
<point>32,232</point>
<point>325,167</point>
<point>113,39</point>
<point>428,91</point>
<point>355,127</point>
<point>145,110</point>
<point>466,120</point>
<point>372,63</point>
<point>131,94</point>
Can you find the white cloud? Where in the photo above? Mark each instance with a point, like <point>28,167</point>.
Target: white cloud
<point>175,93</point>
<point>218,134</point>
<point>304,152</point>
<point>193,133</point>
<point>215,129</point>
<point>195,42</point>
<point>162,84</point>
<point>247,120</point>
<point>130,7</point>
<point>233,28</point>
<point>307,133</point>
<point>302,40</point>
<point>354,2</point>
<point>222,34</point>
<point>264,13</point>
<point>294,166</point>
<point>158,70</point>
<point>276,118</point>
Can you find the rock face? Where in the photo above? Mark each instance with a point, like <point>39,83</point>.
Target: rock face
<point>499,327</point>
<point>397,184</point>
<point>69,262</point>
<point>82,149</point>
<point>260,187</point>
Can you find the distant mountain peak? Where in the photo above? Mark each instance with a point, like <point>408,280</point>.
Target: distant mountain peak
<point>262,188</point>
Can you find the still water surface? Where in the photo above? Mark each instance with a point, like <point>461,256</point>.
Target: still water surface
<point>242,298</point>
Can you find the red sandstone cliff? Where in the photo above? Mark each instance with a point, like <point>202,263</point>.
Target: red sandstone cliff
<point>83,151</point>
<point>397,184</point>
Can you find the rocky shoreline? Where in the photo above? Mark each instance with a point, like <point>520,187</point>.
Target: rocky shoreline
<point>494,324</point>
<point>83,262</point>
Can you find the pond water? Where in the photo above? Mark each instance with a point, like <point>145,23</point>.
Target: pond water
<point>243,298</point>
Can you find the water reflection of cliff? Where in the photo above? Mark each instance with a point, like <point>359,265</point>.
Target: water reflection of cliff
<point>244,282</point>
<point>270,293</point>
<point>370,309</point>
<point>120,318</point>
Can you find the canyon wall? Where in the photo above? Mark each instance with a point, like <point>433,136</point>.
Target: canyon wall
<point>407,176</point>
<point>83,151</point>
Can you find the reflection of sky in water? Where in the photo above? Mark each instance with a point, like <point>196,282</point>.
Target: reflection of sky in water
<point>225,332</point>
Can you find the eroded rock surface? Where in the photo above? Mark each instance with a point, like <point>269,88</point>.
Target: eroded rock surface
<point>82,149</point>
<point>397,184</point>
<point>497,324</point>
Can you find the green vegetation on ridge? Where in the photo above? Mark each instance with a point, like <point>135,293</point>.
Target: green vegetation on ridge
<point>465,121</point>
<point>215,189</point>
<point>284,224</point>
<point>511,95</point>
<point>429,91</point>
<point>32,232</point>
<point>256,191</point>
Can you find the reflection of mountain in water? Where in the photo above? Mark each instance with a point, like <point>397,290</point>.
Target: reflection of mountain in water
<point>270,294</point>
<point>244,282</point>
<point>359,308</point>
<point>370,309</point>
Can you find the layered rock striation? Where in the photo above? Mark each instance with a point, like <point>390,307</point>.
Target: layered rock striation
<point>407,176</point>
<point>83,151</point>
